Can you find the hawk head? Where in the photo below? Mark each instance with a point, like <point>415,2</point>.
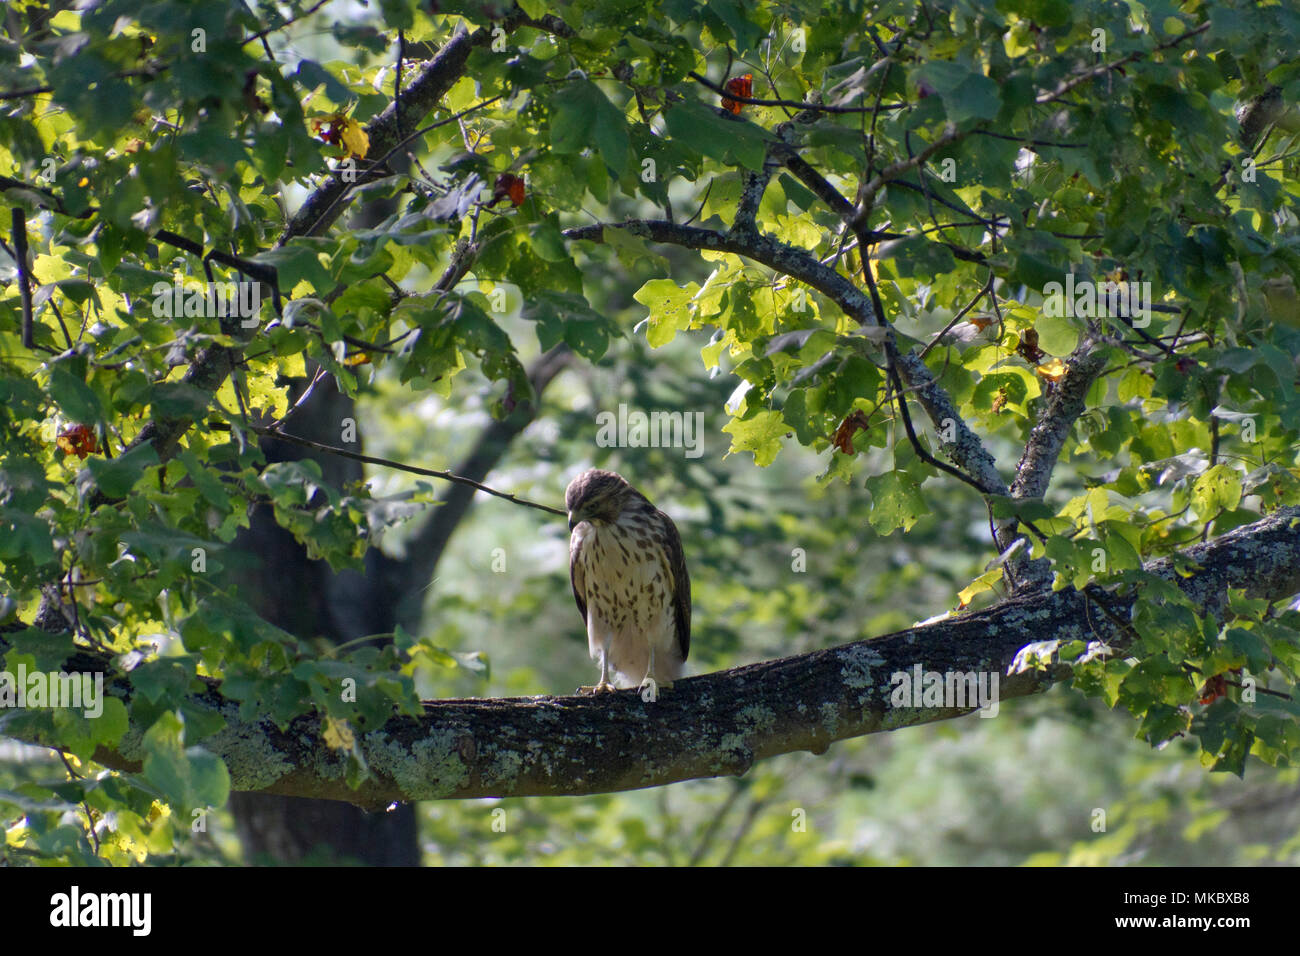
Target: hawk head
<point>596,495</point>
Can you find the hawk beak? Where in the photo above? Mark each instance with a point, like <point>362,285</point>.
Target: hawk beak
<point>573,522</point>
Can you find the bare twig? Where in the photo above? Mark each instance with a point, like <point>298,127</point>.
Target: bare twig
<point>397,465</point>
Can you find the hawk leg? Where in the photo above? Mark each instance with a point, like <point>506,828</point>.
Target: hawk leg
<point>603,686</point>
<point>649,680</point>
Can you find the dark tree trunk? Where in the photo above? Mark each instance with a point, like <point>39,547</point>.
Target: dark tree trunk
<point>307,598</point>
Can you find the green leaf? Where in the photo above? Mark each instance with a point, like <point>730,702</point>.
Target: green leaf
<point>574,117</point>
<point>759,431</point>
<point>204,479</point>
<point>77,400</point>
<point>1217,489</point>
<point>610,133</point>
<point>670,309</point>
<point>965,93</point>
<point>896,502</point>
<point>117,476</point>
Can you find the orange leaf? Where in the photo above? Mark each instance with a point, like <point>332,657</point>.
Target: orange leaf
<point>354,138</point>
<point>509,186</point>
<point>739,86</point>
<point>851,425</point>
<point>1214,688</point>
<point>77,440</point>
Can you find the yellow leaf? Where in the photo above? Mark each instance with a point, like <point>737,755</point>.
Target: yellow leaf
<point>338,735</point>
<point>1052,371</point>
<point>354,138</point>
<point>981,584</point>
<point>292,366</point>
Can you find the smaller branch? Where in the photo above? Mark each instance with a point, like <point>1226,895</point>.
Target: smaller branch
<point>1043,449</point>
<point>397,79</point>
<point>37,90</point>
<point>374,170</point>
<point>1104,68</point>
<point>986,289</point>
<point>24,280</point>
<point>53,201</point>
<point>26,91</point>
<point>1029,142</point>
<point>262,34</point>
<point>707,190</point>
<point>1062,409</point>
<point>991,224</point>
<point>302,399</point>
<point>900,393</point>
<point>894,170</point>
<point>259,271</point>
<point>966,450</point>
<point>58,314</point>
<point>389,463</point>
<point>793,104</point>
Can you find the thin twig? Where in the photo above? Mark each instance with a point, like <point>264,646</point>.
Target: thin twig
<point>269,30</point>
<point>397,465</point>
<point>814,107</point>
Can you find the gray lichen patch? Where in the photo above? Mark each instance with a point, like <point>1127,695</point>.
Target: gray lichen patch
<point>501,769</point>
<point>856,664</point>
<point>831,719</point>
<point>736,747</point>
<point>253,762</point>
<point>756,718</point>
<point>896,718</point>
<point>432,768</point>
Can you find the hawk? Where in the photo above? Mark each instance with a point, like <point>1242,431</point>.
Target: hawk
<point>629,579</point>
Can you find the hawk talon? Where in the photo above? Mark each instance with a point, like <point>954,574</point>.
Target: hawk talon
<point>604,687</point>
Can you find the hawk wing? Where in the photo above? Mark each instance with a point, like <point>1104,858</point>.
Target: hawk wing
<point>576,575</point>
<point>672,543</point>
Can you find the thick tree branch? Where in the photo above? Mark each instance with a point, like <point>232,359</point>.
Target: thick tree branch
<point>714,725</point>
<point>1065,403</point>
<point>966,450</point>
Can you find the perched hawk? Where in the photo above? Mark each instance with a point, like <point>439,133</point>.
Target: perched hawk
<point>630,582</point>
